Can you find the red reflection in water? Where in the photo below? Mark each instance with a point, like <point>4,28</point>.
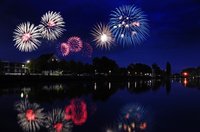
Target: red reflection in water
<point>185,81</point>
<point>143,126</point>
<point>127,116</point>
<point>77,112</point>
<point>58,127</point>
<point>68,113</point>
<point>30,115</point>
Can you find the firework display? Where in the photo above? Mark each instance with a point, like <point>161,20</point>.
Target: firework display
<point>102,36</point>
<point>30,116</point>
<point>128,25</point>
<point>133,117</point>
<point>56,122</point>
<point>26,37</point>
<point>52,25</point>
<point>75,44</point>
<point>76,111</point>
<point>64,49</point>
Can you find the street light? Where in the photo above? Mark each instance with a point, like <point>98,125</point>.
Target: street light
<point>22,70</point>
<point>28,61</point>
<point>27,66</point>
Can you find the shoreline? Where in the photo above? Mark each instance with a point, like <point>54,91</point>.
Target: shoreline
<point>45,78</point>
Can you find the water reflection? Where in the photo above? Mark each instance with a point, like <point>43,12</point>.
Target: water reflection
<point>140,86</point>
<point>98,90</point>
<point>109,85</point>
<point>185,82</point>
<point>55,87</point>
<point>190,82</point>
<point>74,99</point>
<point>76,111</point>
<point>95,86</point>
<point>56,121</point>
<point>24,92</point>
<point>30,116</point>
<point>133,117</point>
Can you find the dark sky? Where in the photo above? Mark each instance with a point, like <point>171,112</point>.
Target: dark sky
<point>174,29</point>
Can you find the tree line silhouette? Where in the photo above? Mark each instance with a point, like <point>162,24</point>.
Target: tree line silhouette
<point>99,66</point>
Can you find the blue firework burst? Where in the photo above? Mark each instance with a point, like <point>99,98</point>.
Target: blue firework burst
<point>133,117</point>
<point>129,25</point>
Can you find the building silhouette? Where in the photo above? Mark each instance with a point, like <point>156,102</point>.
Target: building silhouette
<point>13,68</point>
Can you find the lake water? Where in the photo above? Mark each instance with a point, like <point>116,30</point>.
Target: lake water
<point>141,106</point>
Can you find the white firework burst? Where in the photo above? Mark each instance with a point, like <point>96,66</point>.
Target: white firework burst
<point>56,122</point>
<point>52,25</point>
<point>26,37</point>
<point>31,116</point>
<point>102,36</point>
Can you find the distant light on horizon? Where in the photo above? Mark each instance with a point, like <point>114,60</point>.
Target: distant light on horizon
<point>185,74</point>
<point>28,61</point>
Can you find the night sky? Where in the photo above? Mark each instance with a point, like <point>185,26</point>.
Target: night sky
<point>174,29</point>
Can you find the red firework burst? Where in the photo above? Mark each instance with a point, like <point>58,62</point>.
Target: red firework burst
<point>75,44</point>
<point>65,49</point>
<point>77,112</point>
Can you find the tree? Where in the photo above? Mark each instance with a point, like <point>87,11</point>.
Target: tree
<point>104,65</point>
<point>47,62</point>
<point>64,66</point>
<point>88,68</point>
<point>198,71</point>
<point>139,69</point>
<point>156,71</point>
<point>72,66</point>
<point>1,67</point>
<point>122,71</point>
<point>168,69</point>
<point>192,72</point>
